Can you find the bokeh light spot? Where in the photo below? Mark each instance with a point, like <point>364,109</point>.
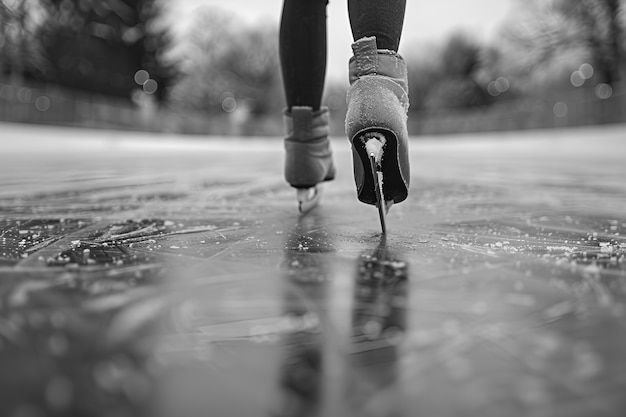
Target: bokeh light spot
<point>577,79</point>
<point>150,86</point>
<point>42,103</point>
<point>586,70</point>
<point>560,109</point>
<point>229,104</point>
<point>492,89</point>
<point>498,86</point>
<point>25,95</point>
<point>604,91</point>
<point>141,77</point>
<point>502,84</point>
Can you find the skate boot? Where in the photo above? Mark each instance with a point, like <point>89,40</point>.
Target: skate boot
<point>376,125</point>
<point>308,156</point>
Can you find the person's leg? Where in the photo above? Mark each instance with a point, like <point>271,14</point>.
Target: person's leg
<point>382,19</point>
<point>308,155</point>
<point>378,102</point>
<point>302,44</point>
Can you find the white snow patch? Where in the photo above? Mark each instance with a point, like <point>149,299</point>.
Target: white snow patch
<point>374,143</point>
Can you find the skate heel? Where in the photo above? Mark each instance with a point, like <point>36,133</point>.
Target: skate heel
<point>384,145</point>
<point>374,144</point>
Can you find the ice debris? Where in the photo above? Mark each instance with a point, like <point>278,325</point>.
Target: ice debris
<point>374,144</point>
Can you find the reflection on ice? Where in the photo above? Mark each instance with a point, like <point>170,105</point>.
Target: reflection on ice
<point>160,288</point>
<point>379,323</point>
<point>380,294</point>
<point>305,303</point>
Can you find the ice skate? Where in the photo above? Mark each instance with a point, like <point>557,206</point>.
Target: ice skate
<point>308,198</point>
<point>308,156</point>
<point>377,109</point>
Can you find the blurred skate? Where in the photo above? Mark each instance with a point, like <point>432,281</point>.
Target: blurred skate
<point>308,156</point>
<point>308,198</point>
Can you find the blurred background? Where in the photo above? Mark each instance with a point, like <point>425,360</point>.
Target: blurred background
<point>210,67</point>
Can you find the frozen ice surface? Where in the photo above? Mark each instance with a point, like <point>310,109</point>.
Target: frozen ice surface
<point>169,276</point>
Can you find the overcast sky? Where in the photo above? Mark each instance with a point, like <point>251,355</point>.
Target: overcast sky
<point>426,21</point>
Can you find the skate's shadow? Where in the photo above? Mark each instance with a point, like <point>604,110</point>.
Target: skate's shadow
<point>378,327</point>
<point>305,287</point>
<point>377,324</point>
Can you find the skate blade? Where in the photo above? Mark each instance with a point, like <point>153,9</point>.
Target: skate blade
<point>381,205</point>
<point>308,198</point>
<point>388,205</point>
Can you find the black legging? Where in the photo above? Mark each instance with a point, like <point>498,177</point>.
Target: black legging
<point>302,41</point>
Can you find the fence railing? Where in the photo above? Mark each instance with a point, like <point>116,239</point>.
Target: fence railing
<point>53,105</point>
<point>575,107</point>
<point>47,104</point>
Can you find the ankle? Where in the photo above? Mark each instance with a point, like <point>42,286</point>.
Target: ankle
<point>304,124</point>
<point>368,60</point>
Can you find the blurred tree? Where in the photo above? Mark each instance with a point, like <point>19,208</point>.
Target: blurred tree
<point>156,41</point>
<point>94,45</point>
<point>599,29</point>
<point>424,75</point>
<point>19,51</point>
<point>447,79</point>
<point>227,65</point>
<point>547,32</point>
